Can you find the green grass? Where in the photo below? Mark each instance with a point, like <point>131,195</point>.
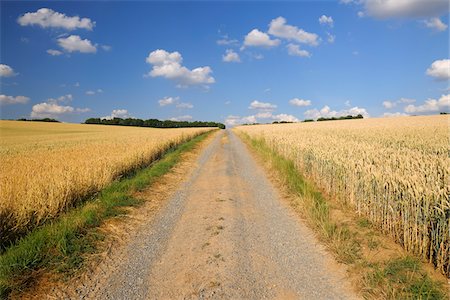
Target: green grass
<point>61,245</point>
<point>400,278</point>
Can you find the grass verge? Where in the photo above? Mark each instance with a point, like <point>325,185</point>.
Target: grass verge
<point>379,272</point>
<point>60,245</point>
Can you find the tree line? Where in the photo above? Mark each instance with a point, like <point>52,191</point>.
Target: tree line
<point>152,123</point>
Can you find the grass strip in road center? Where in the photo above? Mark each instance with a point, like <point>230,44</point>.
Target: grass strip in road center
<point>60,245</point>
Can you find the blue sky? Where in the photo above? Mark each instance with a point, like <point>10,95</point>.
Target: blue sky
<point>233,62</point>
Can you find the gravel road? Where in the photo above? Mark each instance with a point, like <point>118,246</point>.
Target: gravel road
<point>225,234</point>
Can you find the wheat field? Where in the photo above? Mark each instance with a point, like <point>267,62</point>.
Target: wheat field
<point>46,168</point>
<point>394,171</point>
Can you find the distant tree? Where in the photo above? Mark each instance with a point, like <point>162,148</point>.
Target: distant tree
<point>152,123</point>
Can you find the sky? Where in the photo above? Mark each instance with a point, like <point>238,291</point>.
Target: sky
<point>226,61</point>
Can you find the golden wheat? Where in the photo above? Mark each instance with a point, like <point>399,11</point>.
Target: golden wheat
<point>394,171</point>
<point>47,167</point>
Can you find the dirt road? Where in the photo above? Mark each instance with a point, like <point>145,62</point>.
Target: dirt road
<point>225,234</point>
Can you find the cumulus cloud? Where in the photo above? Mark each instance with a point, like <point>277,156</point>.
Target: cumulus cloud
<point>388,104</point>
<point>440,69</point>
<point>182,118</point>
<point>391,104</point>
<point>74,43</point>
<point>326,112</point>
<point>285,118</point>
<point>299,102</point>
<point>54,107</point>
<point>6,71</point>
<point>167,101</point>
<point>256,38</point>
<point>430,105</point>
<point>169,66</point>
<point>4,99</point>
<point>54,52</point>
<point>294,50</point>
<point>231,56</point>
<point>406,8</point>
<point>46,17</point>
<point>265,117</point>
<point>280,29</point>
<point>118,113</point>
<point>324,20</point>
<point>263,106</point>
<point>436,24</point>
<point>52,110</point>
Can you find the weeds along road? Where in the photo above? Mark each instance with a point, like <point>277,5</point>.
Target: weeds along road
<point>225,234</point>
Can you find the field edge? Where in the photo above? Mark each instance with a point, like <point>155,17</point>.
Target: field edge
<point>59,245</point>
<point>350,238</point>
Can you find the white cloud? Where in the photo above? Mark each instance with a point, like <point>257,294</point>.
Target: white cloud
<point>324,20</point>
<point>99,91</point>
<point>330,38</point>
<point>182,118</point>
<point>4,99</point>
<point>430,105</point>
<point>46,17</point>
<point>440,69</point>
<point>167,101</point>
<point>391,104</point>
<point>279,28</point>
<point>186,105</point>
<point>226,41</point>
<point>265,117</point>
<point>52,109</point>
<point>347,103</point>
<point>118,113</point>
<point>264,106</point>
<point>436,24</point>
<point>396,114</point>
<point>294,50</point>
<point>299,102</point>
<point>284,117</point>
<point>388,104</point>
<point>231,56</point>
<point>77,84</point>
<point>406,8</point>
<point>6,71</point>
<point>326,112</point>
<point>74,43</point>
<point>63,99</point>
<point>168,65</point>
<point>361,14</point>
<point>256,38</point>
<point>54,52</point>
